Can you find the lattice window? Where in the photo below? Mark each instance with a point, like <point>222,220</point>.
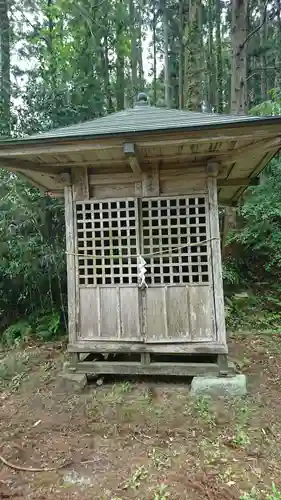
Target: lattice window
<point>106,229</point>
<point>168,224</point>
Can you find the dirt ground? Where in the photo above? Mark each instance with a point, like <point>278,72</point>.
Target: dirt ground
<point>139,440</point>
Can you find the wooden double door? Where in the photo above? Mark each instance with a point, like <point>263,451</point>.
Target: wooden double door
<point>176,303</point>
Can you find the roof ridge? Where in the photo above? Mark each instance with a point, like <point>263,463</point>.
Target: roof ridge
<point>123,112</point>
<point>144,119</point>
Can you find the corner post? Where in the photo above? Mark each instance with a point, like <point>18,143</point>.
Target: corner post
<point>70,263</point>
<point>80,193</point>
<point>212,171</point>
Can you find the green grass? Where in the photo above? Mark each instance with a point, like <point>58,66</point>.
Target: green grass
<point>13,368</point>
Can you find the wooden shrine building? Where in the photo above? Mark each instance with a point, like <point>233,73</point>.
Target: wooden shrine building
<point>142,188</point>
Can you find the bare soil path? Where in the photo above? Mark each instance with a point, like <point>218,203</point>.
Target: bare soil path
<point>138,440</point>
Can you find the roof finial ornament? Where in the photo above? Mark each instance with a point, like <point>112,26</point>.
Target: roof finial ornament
<point>142,99</point>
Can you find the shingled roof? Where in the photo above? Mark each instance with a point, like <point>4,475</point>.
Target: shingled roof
<point>145,118</point>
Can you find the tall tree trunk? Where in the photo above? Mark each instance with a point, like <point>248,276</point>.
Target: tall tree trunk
<point>5,81</point>
<point>154,57</point>
<point>134,48</point>
<point>263,61</point>
<point>50,38</point>
<point>277,82</point>
<point>139,45</point>
<point>219,58</point>
<point>120,81</point>
<point>166,53</point>
<point>211,67</point>
<point>120,58</point>
<point>239,102</point>
<point>193,51</point>
<point>181,53</point>
<point>107,86</point>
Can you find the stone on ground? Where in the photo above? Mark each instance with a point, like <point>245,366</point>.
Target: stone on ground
<point>219,386</point>
<point>76,381</point>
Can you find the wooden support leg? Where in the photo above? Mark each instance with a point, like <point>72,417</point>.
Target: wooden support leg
<point>74,359</point>
<point>145,358</point>
<point>223,365</point>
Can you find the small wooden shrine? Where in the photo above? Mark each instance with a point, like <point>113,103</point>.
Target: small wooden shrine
<point>142,188</point>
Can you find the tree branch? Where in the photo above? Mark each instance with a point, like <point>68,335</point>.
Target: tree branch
<point>257,28</point>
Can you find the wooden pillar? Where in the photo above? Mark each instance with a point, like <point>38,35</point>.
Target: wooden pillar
<point>80,182</point>
<point>150,182</point>
<point>216,253</point>
<point>70,263</point>
<point>77,191</point>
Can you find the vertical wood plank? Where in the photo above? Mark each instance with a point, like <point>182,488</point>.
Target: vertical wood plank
<point>178,312</point>
<point>138,189</point>
<point>216,256</point>
<point>150,182</point>
<point>70,262</point>
<point>99,311</point>
<point>130,313</point>
<point>154,314</point>
<point>89,318</point>
<point>201,313</point>
<point>108,308</point>
<point>166,328</point>
<point>118,312</point>
<point>80,183</point>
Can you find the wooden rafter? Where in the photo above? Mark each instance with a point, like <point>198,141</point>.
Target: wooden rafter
<point>129,151</point>
<point>15,165</point>
<point>263,145</point>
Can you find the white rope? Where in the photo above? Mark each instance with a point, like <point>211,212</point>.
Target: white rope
<point>142,270</point>
<point>141,263</point>
<point>161,252</point>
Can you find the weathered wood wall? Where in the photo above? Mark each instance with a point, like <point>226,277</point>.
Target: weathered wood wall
<point>114,309</point>
<point>155,182</point>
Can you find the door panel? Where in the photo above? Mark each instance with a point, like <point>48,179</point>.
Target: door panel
<point>172,235</point>
<point>107,247</point>
<point>202,315</point>
<point>155,321</point>
<point>130,314</point>
<point>178,303</point>
<point>89,323</point>
<point>110,313</point>
<point>167,314</point>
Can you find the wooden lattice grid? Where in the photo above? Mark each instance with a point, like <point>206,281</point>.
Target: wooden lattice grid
<point>175,230</point>
<point>106,229</point>
<point>175,226</point>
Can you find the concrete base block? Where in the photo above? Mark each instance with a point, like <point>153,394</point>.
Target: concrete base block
<point>219,386</point>
<point>77,381</point>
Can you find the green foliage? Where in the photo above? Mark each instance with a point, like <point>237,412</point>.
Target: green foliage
<point>271,107</point>
<point>48,327</point>
<point>240,437</point>
<point>259,309</point>
<point>259,238</point>
<point>231,273</point>
<point>16,333</point>
<point>32,258</point>
<point>161,493</point>
<point>275,494</point>
<point>78,59</point>
<point>38,327</point>
<point>260,235</point>
<point>13,368</point>
<point>253,495</point>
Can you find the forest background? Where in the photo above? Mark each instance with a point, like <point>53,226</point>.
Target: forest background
<point>66,61</point>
